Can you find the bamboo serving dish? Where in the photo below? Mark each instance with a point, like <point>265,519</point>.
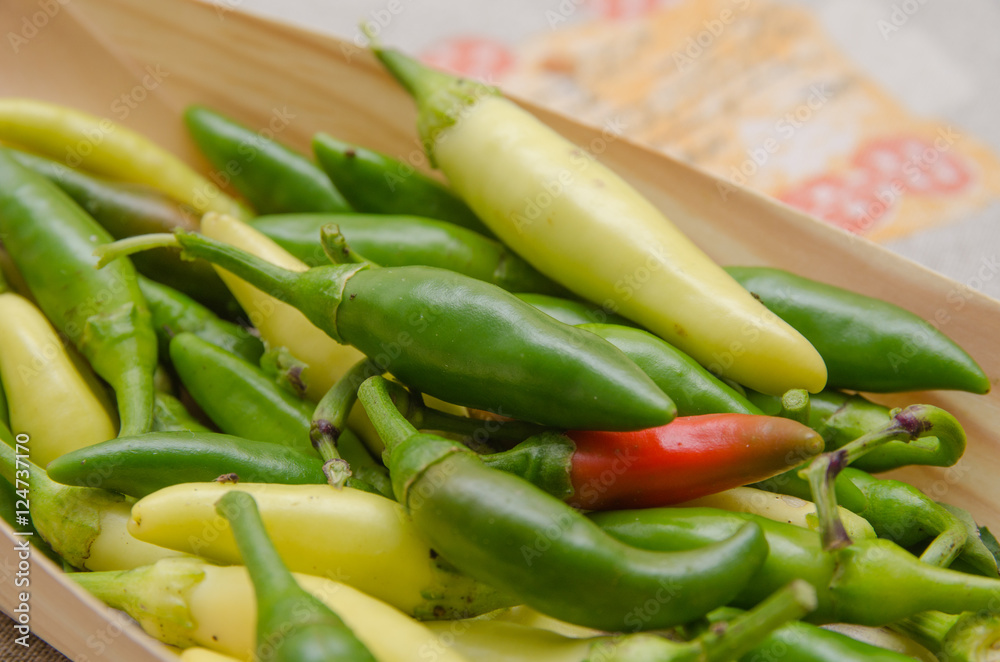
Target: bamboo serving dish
<point>140,63</point>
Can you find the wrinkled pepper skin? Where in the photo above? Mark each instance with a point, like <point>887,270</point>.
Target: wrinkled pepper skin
<point>688,458</point>
<point>272,177</point>
<point>598,236</point>
<point>399,241</point>
<point>102,312</point>
<point>692,388</point>
<point>377,184</point>
<point>173,313</point>
<point>872,582</point>
<point>126,210</point>
<point>140,465</point>
<point>508,533</point>
<point>867,344</point>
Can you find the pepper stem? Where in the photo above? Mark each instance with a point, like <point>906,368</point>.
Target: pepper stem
<point>795,406</point>
<point>908,424</point>
<point>380,403</point>
<point>330,418</point>
<point>747,630</point>
<point>336,248</point>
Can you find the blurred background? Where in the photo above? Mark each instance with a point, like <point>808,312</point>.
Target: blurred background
<point>878,116</point>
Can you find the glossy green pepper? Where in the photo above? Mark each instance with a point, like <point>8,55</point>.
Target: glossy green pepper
<point>292,624</point>
<point>399,241</point>
<point>175,313</point>
<point>867,344</point>
<point>103,313</point>
<point>967,637</point>
<point>692,388</point>
<point>506,532</point>
<point>272,177</point>
<point>378,184</point>
<point>429,328</point>
<point>572,312</point>
<point>140,465</point>
<point>170,415</point>
<point>126,210</point>
<point>872,582</point>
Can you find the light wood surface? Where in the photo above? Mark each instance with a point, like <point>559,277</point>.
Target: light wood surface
<point>299,83</point>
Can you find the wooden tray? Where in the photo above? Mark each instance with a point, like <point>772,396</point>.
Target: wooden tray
<point>299,83</point>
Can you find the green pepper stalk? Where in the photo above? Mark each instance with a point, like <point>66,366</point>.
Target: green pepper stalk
<point>272,177</point>
<point>867,344</point>
<point>898,512</point>
<point>375,183</point>
<point>173,313</point>
<point>872,582</point>
<point>486,640</point>
<point>102,312</point>
<point>508,533</point>
<point>140,465</point>
<point>910,424</point>
<point>292,625</point>
<point>966,637</point>
<point>399,241</point>
<point>841,418</point>
<point>127,210</point>
<point>428,327</point>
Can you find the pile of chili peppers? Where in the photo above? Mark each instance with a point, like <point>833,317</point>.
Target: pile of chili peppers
<point>362,415</point>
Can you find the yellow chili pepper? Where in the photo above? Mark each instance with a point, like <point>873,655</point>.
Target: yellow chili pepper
<point>187,602</point>
<point>106,148</point>
<point>50,396</point>
<point>356,537</point>
<point>582,225</point>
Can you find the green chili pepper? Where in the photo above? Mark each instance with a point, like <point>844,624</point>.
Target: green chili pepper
<point>694,389</point>
<point>399,241</point>
<point>175,313</point>
<point>429,328</point>
<point>9,500</point>
<point>375,183</point>
<point>841,418</point>
<point>967,637</point>
<point>898,512</point>
<point>573,312</point>
<point>272,177</point>
<point>867,344</point>
<point>872,582</point>
<point>170,415</point>
<point>238,396</point>
<point>976,555</point>
<point>292,625</point>
<point>126,210</point>
<point>506,532</point>
<point>102,312</point>
<point>805,642</point>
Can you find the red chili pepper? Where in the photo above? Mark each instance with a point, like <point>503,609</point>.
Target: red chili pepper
<point>690,457</point>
